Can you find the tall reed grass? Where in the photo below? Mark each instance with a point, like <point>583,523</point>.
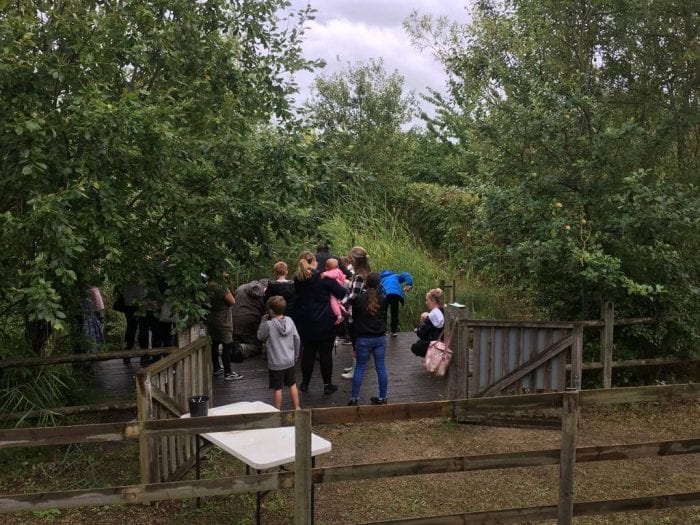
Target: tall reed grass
<point>391,245</point>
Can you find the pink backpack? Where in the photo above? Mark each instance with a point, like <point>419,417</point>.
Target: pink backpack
<point>439,355</point>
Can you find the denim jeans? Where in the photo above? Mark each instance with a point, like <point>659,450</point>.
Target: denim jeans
<point>364,347</point>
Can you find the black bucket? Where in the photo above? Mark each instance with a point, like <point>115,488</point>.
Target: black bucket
<point>198,406</point>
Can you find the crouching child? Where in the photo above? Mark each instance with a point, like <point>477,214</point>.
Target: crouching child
<point>283,345</point>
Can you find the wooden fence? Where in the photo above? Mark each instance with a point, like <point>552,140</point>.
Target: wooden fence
<point>303,478</point>
<point>162,393</point>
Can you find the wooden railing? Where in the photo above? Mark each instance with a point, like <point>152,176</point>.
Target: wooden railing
<point>162,393</point>
<point>304,476</point>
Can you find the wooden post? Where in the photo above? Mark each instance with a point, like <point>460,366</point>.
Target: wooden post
<point>577,357</point>
<point>303,511</point>
<point>569,428</point>
<point>144,404</point>
<point>606,341</point>
<point>456,384</point>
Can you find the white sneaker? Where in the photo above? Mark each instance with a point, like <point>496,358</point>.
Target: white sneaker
<point>346,370</point>
<point>348,375</point>
<point>233,376</point>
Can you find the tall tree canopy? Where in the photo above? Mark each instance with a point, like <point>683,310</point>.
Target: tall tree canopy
<point>582,122</point>
<point>359,112</point>
<point>140,128</point>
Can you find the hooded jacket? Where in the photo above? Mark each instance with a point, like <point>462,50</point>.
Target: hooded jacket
<point>393,283</point>
<point>247,311</point>
<point>283,342</point>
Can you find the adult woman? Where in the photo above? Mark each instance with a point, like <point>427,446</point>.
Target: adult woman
<point>314,320</point>
<point>220,328</point>
<point>431,322</point>
<point>368,313</point>
<point>359,260</point>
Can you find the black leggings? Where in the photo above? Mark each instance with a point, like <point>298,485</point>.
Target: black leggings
<point>225,355</point>
<point>324,349</point>
<point>393,301</point>
<point>420,347</point>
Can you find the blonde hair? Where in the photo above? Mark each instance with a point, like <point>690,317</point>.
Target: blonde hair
<point>360,261</point>
<point>332,263</point>
<point>437,296</point>
<point>305,268</point>
<point>280,268</point>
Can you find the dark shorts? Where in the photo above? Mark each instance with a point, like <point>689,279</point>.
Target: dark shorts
<point>279,378</point>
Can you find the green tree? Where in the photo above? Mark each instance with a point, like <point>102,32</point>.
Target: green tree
<point>583,120</point>
<point>359,113</point>
<point>140,128</point>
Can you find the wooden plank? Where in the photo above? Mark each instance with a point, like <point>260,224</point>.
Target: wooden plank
<point>505,353</point>
<point>166,401</point>
<point>174,357</point>
<point>94,433</point>
<point>172,443</point>
<point>81,358</point>
<point>145,411</point>
<point>457,382</point>
<point>561,380</point>
<point>519,358</point>
<point>632,363</point>
<point>147,493</point>
<point>577,357</point>
<point>547,368</point>
<point>527,367</point>
<point>476,362</point>
<point>490,349</point>
<point>487,323</point>
<point>640,394</point>
<point>303,512</point>
<point>70,411</point>
<point>606,341</point>
<point>567,463</point>
<point>518,515</point>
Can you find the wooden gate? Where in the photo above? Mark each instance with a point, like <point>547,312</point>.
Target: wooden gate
<point>521,357</point>
<point>162,392</point>
<point>511,357</point>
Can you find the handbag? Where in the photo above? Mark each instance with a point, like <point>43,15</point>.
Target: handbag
<point>439,355</point>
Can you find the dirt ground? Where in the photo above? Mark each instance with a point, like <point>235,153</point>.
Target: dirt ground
<point>60,468</point>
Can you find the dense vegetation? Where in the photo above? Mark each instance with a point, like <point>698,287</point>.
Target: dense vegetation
<point>144,137</point>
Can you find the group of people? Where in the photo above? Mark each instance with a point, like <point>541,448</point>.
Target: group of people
<point>301,317</point>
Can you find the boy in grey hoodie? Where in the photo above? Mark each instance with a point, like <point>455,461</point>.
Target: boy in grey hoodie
<point>283,345</point>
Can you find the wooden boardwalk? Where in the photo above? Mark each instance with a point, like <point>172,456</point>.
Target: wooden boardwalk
<point>408,382</point>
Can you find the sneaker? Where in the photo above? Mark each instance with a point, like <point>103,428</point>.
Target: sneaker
<point>394,334</point>
<point>346,370</point>
<point>304,387</point>
<point>353,403</point>
<point>347,342</point>
<point>348,375</point>
<point>329,388</point>
<point>232,376</point>
<point>218,372</point>
<point>376,401</point>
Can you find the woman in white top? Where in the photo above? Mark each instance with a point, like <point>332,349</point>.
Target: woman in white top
<point>431,322</point>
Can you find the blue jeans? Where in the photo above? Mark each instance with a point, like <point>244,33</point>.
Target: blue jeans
<point>364,347</point>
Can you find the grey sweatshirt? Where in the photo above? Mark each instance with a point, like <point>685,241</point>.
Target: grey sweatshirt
<point>283,342</point>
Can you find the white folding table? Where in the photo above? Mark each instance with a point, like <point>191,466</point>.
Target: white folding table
<point>262,448</point>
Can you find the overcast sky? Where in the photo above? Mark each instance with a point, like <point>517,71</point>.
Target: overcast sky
<point>357,30</point>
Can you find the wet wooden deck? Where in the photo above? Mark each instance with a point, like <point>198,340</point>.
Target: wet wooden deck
<point>408,382</point>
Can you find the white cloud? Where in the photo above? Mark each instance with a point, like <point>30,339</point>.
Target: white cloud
<point>357,30</point>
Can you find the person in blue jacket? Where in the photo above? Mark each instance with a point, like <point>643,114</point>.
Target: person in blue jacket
<point>395,285</point>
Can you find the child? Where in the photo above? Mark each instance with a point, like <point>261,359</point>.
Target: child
<point>431,323</point>
<point>283,345</point>
<point>281,286</point>
<point>335,273</point>
<point>394,285</point>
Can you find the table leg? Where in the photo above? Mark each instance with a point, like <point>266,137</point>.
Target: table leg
<point>258,504</point>
<point>197,468</point>
<point>313,489</point>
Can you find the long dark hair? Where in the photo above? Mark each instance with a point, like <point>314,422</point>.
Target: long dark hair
<point>372,283</point>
